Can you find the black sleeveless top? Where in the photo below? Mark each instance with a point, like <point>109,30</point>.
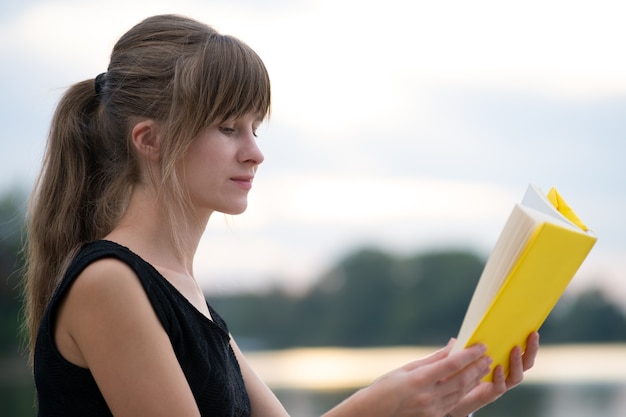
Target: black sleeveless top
<point>201,346</point>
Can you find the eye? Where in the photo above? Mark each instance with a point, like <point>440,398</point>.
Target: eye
<point>227,130</point>
<point>255,128</point>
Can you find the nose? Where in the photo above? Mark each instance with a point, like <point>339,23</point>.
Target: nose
<point>252,153</point>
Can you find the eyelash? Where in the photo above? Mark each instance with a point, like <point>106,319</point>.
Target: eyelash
<point>229,130</point>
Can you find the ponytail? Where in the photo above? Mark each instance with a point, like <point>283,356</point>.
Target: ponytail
<point>71,203</point>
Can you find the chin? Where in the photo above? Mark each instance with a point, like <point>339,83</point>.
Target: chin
<point>235,210</point>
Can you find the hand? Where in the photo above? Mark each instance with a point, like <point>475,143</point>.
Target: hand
<point>429,387</point>
<point>488,392</point>
<point>439,381</point>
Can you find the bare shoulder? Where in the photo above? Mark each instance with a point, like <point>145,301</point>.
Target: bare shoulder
<point>106,298</point>
<point>107,324</point>
<point>106,287</point>
<point>108,275</point>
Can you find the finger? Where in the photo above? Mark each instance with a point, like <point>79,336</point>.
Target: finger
<point>532,347</point>
<point>516,370</point>
<point>499,377</point>
<point>457,362</point>
<point>499,385</point>
<point>467,379</point>
<point>441,353</point>
<point>432,358</point>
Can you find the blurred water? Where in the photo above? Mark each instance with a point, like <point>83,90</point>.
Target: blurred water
<point>575,381</point>
<point>529,400</point>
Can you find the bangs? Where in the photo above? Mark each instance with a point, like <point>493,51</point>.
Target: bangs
<point>236,81</point>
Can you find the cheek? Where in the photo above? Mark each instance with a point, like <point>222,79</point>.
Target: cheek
<point>203,172</point>
<point>207,152</point>
<point>197,159</point>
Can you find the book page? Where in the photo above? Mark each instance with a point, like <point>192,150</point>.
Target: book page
<point>537,200</point>
<point>516,232</point>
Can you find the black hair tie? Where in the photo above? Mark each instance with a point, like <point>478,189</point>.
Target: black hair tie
<point>99,83</point>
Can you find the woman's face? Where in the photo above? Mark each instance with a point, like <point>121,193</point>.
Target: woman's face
<point>220,165</point>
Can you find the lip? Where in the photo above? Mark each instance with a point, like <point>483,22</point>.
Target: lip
<point>244,181</point>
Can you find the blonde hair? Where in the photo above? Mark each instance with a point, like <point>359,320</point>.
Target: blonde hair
<point>168,68</point>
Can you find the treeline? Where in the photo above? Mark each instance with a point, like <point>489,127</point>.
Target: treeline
<point>373,298</point>
<point>370,298</point>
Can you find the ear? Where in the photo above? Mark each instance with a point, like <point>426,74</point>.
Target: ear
<point>146,140</point>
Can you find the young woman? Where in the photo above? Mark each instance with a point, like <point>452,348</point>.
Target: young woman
<point>137,161</point>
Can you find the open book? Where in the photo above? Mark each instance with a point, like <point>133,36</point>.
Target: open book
<point>541,247</point>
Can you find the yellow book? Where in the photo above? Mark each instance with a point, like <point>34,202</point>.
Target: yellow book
<point>540,248</point>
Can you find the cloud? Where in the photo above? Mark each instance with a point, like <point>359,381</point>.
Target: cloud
<point>387,117</point>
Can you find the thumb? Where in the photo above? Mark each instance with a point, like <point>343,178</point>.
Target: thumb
<point>433,357</point>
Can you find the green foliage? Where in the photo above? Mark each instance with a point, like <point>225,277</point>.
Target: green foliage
<point>372,298</point>
<point>379,299</point>
<point>587,318</point>
<point>12,207</point>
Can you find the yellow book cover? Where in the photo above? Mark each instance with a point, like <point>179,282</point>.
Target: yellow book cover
<point>540,248</point>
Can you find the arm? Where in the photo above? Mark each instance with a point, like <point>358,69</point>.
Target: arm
<point>262,400</point>
<point>107,324</point>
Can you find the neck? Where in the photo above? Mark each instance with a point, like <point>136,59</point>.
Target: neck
<point>146,229</point>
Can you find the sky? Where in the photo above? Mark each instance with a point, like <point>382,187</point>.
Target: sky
<point>404,125</point>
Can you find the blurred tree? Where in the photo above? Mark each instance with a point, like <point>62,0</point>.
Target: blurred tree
<point>360,317</point>
<point>12,209</point>
<point>17,390</point>
<point>372,298</point>
<point>586,318</point>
